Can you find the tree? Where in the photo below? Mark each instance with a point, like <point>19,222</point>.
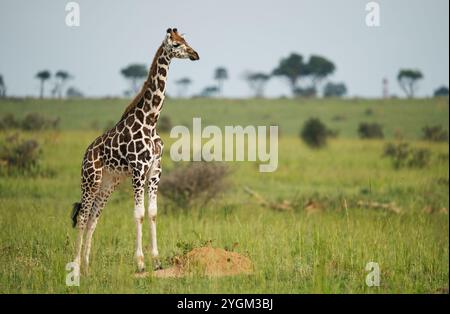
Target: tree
<point>257,82</point>
<point>2,87</point>
<point>209,91</point>
<point>73,92</point>
<point>309,91</point>
<point>291,68</point>
<point>43,76</point>
<point>319,68</point>
<point>334,90</point>
<point>220,75</point>
<point>62,77</point>
<point>441,92</point>
<point>408,79</point>
<point>134,73</point>
<point>183,84</point>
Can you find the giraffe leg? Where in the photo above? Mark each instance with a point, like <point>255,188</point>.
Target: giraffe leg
<point>153,180</point>
<point>89,193</point>
<point>139,212</point>
<point>108,185</point>
<point>90,184</point>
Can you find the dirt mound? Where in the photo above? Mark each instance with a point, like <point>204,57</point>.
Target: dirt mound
<point>208,261</point>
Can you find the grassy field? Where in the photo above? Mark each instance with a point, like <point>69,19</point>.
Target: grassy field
<point>298,251</point>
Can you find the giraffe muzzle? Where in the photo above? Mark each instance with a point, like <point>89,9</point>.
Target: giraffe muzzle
<point>194,56</point>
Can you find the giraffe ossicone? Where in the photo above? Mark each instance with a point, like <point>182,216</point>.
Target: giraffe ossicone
<point>131,148</point>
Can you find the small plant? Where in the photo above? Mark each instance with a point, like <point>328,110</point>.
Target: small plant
<point>197,182</point>
<point>370,130</point>
<point>35,121</point>
<point>315,133</point>
<point>435,133</point>
<point>402,155</point>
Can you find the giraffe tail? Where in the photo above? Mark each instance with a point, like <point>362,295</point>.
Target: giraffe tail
<point>75,211</point>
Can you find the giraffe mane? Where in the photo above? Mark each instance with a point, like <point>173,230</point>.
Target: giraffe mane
<point>139,96</point>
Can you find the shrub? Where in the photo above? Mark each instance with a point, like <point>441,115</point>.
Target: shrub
<point>435,133</point>
<point>196,182</point>
<point>315,133</point>
<point>8,121</point>
<point>35,121</point>
<point>370,130</point>
<point>18,154</point>
<point>368,112</point>
<point>402,155</point>
<point>339,117</point>
<point>164,124</point>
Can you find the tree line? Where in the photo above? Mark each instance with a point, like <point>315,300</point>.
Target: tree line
<point>294,69</point>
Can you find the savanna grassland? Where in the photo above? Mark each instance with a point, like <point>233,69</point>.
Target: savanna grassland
<point>321,245</point>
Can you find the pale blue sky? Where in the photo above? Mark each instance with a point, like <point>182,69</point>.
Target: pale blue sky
<point>240,35</point>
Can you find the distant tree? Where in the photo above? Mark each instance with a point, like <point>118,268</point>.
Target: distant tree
<point>318,68</point>
<point>43,76</point>
<point>210,91</point>
<point>408,79</point>
<point>292,68</point>
<point>309,91</point>
<point>334,90</point>
<point>73,92</point>
<point>441,92</point>
<point>2,87</point>
<point>62,77</point>
<point>183,84</point>
<point>134,73</point>
<point>220,75</point>
<point>257,82</point>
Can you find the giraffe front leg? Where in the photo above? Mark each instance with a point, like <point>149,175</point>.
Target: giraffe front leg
<point>153,182</point>
<point>139,212</point>
<point>152,213</point>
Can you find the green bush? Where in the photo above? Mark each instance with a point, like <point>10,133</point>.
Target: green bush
<point>435,133</point>
<point>8,121</point>
<point>315,133</point>
<point>35,122</point>
<point>402,155</point>
<point>370,130</point>
<point>16,154</point>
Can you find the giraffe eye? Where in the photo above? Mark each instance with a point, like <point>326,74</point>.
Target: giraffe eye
<point>176,45</point>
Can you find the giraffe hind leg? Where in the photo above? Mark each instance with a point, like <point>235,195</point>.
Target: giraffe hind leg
<point>108,185</point>
<point>90,185</point>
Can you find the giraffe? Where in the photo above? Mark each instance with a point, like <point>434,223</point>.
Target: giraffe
<point>132,148</point>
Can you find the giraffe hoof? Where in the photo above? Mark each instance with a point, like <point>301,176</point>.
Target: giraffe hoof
<point>140,269</point>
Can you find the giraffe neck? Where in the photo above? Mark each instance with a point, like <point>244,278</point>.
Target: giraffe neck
<point>155,86</point>
<point>150,100</point>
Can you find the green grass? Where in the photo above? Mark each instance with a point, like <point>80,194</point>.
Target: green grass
<point>293,252</point>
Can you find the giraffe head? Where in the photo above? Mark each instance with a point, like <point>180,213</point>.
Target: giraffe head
<point>175,44</point>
